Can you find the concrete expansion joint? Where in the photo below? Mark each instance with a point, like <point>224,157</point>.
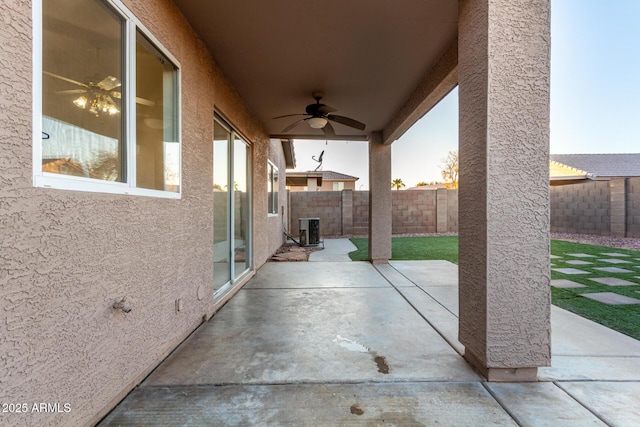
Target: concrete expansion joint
<point>499,402</point>
<point>575,399</point>
<point>435,328</point>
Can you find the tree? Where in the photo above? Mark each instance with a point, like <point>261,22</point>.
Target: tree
<point>106,166</point>
<point>421,184</point>
<point>450,169</point>
<point>397,183</point>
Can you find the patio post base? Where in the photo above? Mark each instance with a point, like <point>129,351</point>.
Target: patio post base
<point>525,374</point>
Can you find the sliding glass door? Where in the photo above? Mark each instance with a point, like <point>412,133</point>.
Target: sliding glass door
<point>231,207</point>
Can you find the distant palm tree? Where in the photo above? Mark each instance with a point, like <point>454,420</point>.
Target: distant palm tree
<point>397,183</point>
<point>421,184</point>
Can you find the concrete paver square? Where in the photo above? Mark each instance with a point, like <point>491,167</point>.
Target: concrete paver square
<point>570,271</point>
<point>615,254</point>
<point>615,402</point>
<point>577,262</point>
<point>614,261</point>
<point>614,281</point>
<point>613,269</point>
<point>398,404</point>
<point>611,298</point>
<point>535,404</point>
<point>582,255</point>
<point>564,283</point>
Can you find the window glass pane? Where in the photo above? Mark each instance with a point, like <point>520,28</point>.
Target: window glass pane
<point>275,189</point>
<point>241,207</point>
<point>157,142</point>
<point>272,189</point>
<point>221,209</point>
<point>82,82</point>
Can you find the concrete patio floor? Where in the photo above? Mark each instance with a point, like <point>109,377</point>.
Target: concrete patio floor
<point>348,343</point>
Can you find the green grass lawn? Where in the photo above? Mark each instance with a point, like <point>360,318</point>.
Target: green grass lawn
<point>622,318</point>
<point>408,248</point>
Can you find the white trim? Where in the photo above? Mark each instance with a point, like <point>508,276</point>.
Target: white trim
<point>131,107</point>
<point>67,182</point>
<point>37,89</point>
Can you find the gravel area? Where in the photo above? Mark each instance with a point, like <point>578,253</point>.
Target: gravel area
<point>612,242</point>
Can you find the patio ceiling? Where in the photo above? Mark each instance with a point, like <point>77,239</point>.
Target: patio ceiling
<point>367,56</point>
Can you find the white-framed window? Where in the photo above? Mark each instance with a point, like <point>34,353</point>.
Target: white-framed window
<point>338,186</point>
<point>272,188</point>
<point>106,102</point>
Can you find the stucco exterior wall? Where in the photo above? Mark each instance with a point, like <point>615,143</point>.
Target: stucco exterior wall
<point>503,69</point>
<point>67,256</point>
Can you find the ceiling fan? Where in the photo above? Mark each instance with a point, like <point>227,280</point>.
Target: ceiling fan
<point>319,116</point>
<point>97,97</point>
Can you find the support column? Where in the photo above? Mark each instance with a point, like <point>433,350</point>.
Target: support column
<point>379,199</point>
<point>504,57</point>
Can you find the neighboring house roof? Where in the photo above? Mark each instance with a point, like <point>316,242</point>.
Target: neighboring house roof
<point>428,187</point>
<point>298,179</point>
<point>596,166</point>
<point>337,176</point>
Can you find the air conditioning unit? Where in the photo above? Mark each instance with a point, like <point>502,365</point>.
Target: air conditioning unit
<point>309,231</point>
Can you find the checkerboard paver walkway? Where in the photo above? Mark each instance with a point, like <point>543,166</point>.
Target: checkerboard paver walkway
<point>615,261</point>
<point>614,281</point>
<point>577,262</point>
<point>611,298</point>
<point>613,270</point>
<point>570,271</point>
<point>564,283</point>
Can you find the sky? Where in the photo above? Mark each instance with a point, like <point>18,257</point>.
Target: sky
<point>595,99</point>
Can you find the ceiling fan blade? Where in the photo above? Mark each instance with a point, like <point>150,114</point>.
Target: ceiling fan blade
<point>141,101</point>
<point>290,115</point>
<point>146,102</point>
<point>71,92</point>
<point>109,83</point>
<point>65,79</point>
<point>328,130</point>
<point>346,121</point>
<point>292,125</point>
<point>325,109</point>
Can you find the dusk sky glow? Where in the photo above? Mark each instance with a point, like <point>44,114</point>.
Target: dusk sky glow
<point>595,88</point>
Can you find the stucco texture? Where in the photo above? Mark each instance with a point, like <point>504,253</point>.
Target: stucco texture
<point>67,256</point>
<point>504,195</point>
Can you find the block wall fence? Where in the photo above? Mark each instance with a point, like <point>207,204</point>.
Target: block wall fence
<point>346,212</point>
<point>607,208</point>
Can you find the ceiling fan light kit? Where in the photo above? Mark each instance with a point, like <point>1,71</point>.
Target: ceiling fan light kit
<point>98,104</point>
<point>319,117</point>
<point>317,122</point>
